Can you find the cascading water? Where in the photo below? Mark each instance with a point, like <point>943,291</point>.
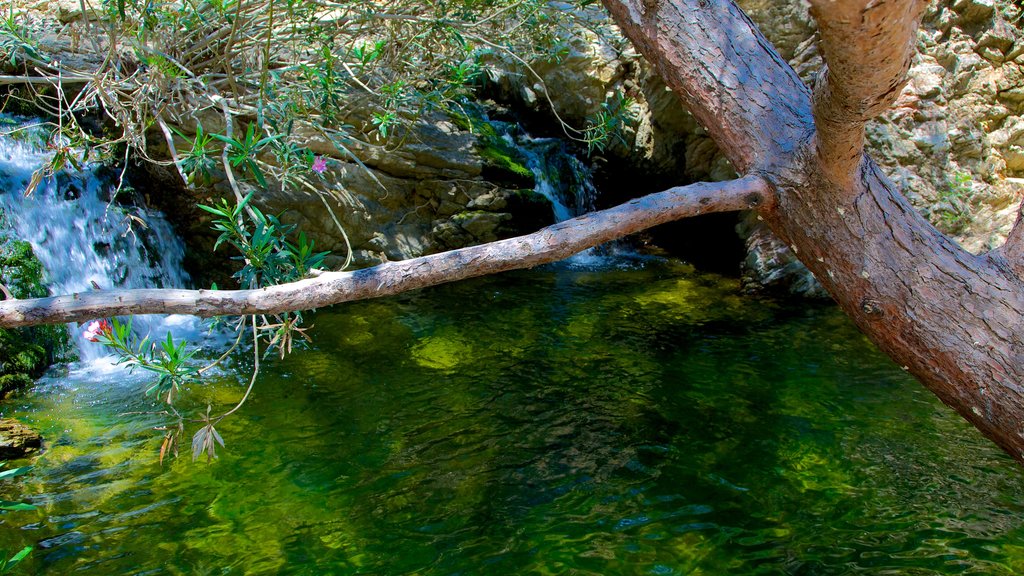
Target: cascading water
<point>84,240</point>
<point>563,179</point>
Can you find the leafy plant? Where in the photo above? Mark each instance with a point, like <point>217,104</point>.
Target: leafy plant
<point>955,211</point>
<point>168,360</point>
<point>608,123</point>
<point>16,42</point>
<point>269,257</point>
<point>7,474</point>
<point>198,164</point>
<point>243,152</point>
<point>7,564</point>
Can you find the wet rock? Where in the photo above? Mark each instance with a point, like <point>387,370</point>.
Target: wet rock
<point>17,440</point>
<point>73,537</point>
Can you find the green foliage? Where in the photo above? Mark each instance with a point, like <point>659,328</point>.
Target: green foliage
<point>25,352</point>
<point>243,152</point>
<point>198,163</point>
<point>268,257</point>
<point>22,272</point>
<point>13,472</point>
<point>269,64</point>
<point>607,125</point>
<point>955,209</point>
<point>169,361</point>
<point>19,355</point>
<point>17,44</point>
<point>8,564</point>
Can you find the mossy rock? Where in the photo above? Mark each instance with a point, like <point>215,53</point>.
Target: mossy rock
<point>26,352</point>
<point>22,272</point>
<point>503,164</point>
<point>17,440</point>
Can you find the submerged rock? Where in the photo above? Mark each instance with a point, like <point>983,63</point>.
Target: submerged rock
<point>17,440</point>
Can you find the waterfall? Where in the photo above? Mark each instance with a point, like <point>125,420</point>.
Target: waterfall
<point>563,179</point>
<point>560,177</point>
<point>81,236</point>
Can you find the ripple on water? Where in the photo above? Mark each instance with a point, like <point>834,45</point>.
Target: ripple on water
<point>567,422</point>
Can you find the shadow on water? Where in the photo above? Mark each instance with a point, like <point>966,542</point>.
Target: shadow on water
<point>645,420</point>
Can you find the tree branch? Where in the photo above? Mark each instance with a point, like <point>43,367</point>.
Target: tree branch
<point>952,319</point>
<point>867,46</point>
<point>547,245</point>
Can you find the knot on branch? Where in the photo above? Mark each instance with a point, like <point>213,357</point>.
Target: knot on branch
<point>871,307</point>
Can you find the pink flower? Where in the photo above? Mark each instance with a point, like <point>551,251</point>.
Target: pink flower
<point>319,165</point>
<point>97,328</point>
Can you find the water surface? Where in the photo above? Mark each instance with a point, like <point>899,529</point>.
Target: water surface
<point>644,420</point>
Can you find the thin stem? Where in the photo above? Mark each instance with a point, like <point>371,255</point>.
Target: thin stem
<point>255,372</point>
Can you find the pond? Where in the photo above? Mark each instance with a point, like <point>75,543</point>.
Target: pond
<point>636,419</point>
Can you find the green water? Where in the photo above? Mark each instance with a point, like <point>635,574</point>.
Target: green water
<point>623,421</point>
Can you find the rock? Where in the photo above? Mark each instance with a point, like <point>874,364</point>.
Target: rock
<point>71,10</point>
<point>482,226</point>
<point>771,266</point>
<point>926,80</point>
<point>491,216</point>
<point>392,205</point>
<point>974,11</point>
<point>17,440</point>
<point>786,24</point>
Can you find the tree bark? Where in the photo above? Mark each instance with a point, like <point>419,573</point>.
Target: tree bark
<point>867,48</point>
<point>953,319</point>
<point>550,244</point>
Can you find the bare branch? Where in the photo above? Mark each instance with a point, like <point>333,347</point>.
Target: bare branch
<point>547,245</point>
<point>868,46</point>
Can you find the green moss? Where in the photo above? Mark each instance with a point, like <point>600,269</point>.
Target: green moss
<point>11,382</point>
<point>21,270</point>
<point>502,162</point>
<point>501,158</point>
<point>26,352</point>
<point>468,215</point>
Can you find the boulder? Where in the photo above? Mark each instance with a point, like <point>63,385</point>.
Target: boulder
<point>17,440</point>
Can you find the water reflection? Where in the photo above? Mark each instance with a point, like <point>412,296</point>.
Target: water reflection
<point>626,421</point>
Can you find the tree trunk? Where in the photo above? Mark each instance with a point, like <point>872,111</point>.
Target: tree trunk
<point>954,320</point>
